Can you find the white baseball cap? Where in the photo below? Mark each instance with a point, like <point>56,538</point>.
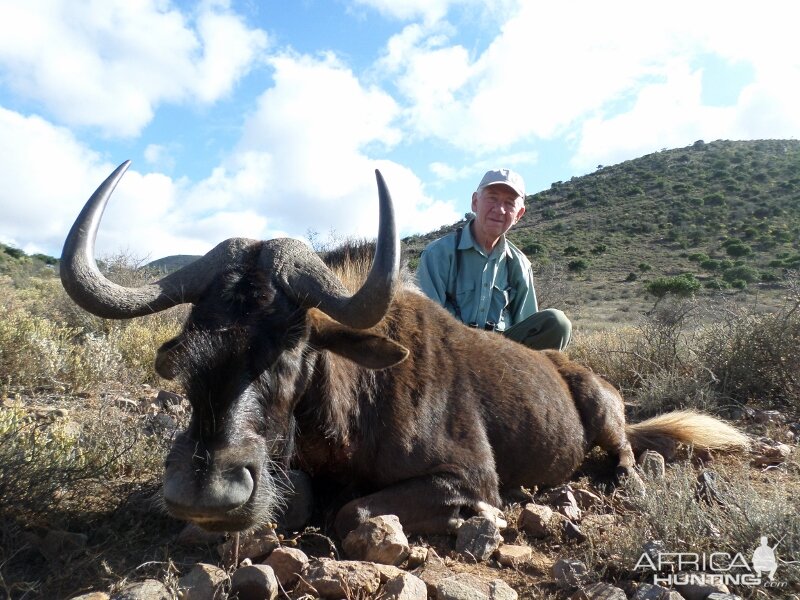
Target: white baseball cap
<point>504,177</point>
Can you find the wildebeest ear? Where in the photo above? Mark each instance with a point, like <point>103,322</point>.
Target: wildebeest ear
<point>165,359</point>
<point>370,350</point>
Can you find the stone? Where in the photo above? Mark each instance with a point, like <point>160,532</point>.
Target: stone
<point>380,540</point>
<point>653,548</point>
<point>652,464</point>
<point>700,591</point>
<point>149,589</point>
<point>648,591</point>
<point>255,546</point>
<point>254,582</point>
<point>707,488</point>
<point>404,586</point>
<point>201,582</point>
<point>388,571</point>
<point>478,538</point>
<point>468,587</point>
<point>599,591</point>
<point>510,555</point>
<point>93,596</point>
<point>535,520</point>
<point>342,579</point>
<point>721,596</point>
<point>586,499</point>
<point>417,556</point>
<point>568,572</point>
<point>287,563</point>
<point>573,533</point>
<point>565,503</point>
<point>432,572</point>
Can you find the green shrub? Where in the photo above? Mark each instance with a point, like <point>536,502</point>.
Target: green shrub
<point>738,249</point>
<point>534,248</point>
<point>578,266</point>
<point>679,285</point>
<point>741,273</point>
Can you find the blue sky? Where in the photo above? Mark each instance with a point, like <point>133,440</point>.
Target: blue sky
<point>267,118</point>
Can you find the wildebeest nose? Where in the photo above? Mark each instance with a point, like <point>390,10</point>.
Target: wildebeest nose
<point>209,494</point>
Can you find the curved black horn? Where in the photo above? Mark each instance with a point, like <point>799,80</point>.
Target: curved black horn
<point>306,278</point>
<point>92,291</point>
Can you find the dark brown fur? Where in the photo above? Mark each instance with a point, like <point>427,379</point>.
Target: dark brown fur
<point>433,419</point>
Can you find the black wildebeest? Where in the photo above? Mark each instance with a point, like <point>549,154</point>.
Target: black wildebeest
<point>380,388</point>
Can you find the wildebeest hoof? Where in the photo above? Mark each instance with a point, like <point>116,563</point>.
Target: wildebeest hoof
<point>454,524</point>
<point>487,511</point>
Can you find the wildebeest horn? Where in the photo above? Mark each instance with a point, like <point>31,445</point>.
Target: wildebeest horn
<point>96,294</point>
<point>306,278</point>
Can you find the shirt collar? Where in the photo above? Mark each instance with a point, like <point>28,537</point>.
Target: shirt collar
<point>467,241</point>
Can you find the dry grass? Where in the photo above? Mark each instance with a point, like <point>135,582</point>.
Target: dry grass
<point>96,471</point>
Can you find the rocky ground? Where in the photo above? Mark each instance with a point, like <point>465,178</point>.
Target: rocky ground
<point>553,545</point>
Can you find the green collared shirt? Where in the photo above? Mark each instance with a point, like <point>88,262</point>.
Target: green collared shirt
<point>497,288</point>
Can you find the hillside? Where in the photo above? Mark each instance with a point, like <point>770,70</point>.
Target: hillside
<point>726,212</point>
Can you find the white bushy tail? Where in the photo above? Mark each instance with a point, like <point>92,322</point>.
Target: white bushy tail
<point>688,427</point>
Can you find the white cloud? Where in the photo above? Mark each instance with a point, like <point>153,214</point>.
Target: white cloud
<point>318,124</point>
<point>111,63</point>
<point>559,68</point>
<point>665,115</point>
<point>428,10</point>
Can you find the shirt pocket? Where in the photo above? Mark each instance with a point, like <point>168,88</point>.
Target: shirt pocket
<point>502,296</point>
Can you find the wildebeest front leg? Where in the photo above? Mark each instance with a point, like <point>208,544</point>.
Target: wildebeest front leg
<point>433,504</point>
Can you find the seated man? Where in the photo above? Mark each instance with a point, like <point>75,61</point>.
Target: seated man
<point>486,281</point>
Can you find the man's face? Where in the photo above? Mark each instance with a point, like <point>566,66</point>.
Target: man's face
<point>497,208</point>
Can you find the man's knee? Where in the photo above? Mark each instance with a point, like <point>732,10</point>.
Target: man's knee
<point>557,326</point>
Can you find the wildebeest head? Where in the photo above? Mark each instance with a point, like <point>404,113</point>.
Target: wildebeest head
<point>260,312</point>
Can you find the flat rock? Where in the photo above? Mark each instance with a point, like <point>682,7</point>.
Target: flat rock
<point>510,555</point>
<point>468,587</point>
